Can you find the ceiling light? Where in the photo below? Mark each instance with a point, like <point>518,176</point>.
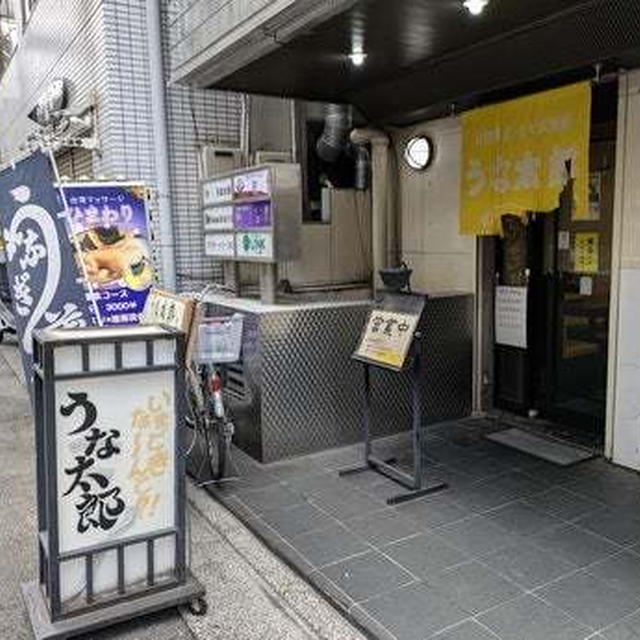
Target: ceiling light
<point>418,152</point>
<point>357,58</point>
<point>475,7</point>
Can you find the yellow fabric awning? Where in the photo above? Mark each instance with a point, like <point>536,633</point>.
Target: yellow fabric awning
<point>514,157</point>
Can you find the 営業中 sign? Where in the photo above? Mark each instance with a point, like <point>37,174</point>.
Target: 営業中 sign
<point>387,338</point>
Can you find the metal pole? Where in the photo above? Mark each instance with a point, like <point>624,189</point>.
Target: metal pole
<point>161,148</point>
<point>366,413</point>
<point>416,419</point>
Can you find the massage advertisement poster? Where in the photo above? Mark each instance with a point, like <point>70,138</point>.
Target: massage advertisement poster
<point>111,243</point>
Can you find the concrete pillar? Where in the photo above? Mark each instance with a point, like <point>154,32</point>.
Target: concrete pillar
<point>623,399</point>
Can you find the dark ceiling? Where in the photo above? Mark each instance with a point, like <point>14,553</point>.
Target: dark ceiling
<point>424,55</point>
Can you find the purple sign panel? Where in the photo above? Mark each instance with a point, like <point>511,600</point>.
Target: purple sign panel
<point>252,216</point>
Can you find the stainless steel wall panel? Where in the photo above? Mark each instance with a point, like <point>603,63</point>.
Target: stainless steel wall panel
<point>304,392</point>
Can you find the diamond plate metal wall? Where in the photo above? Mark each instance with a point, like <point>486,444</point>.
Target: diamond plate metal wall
<point>304,392</point>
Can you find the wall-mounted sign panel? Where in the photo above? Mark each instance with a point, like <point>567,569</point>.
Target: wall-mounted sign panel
<point>217,191</point>
<point>254,245</point>
<point>252,184</point>
<point>254,214</point>
<point>218,219</point>
<point>220,245</point>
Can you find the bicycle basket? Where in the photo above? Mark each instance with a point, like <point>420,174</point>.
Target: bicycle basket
<point>220,339</point>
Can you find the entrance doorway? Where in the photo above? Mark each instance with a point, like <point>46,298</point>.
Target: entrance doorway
<point>558,382</point>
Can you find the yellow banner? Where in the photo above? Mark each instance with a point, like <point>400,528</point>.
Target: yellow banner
<point>515,154</point>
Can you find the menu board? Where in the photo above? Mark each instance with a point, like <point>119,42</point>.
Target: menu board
<point>387,338</point>
<point>239,216</point>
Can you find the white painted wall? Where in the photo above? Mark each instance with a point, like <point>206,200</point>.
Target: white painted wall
<point>623,406</point>
<point>428,201</point>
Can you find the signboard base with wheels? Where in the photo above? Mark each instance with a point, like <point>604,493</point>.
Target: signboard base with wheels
<point>109,409</point>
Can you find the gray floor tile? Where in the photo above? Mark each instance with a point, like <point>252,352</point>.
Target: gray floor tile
<point>483,496</point>
<point>563,504</point>
<point>293,468</point>
<point>575,545</point>
<point>609,490</point>
<point>469,630</point>
<point>382,527</point>
<point>527,618</point>
<point>589,600</point>
<point>329,545</point>
<point>367,575</point>
<point>424,555</point>
<point>527,565</point>
<point>294,521</point>
<point>627,629</point>
<point>523,519</point>
<point>478,467</point>
<point>344,504</point>
<point>414,612</point>
<point>622,571</point>
<point>622,525</point>
<point>433,511</point>
<point>478,536</point>
<point>271,497</point>
<point>474,587</point>
<point>314,483</point>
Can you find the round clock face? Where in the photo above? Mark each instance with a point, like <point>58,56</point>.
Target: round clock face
<point>418,152</point>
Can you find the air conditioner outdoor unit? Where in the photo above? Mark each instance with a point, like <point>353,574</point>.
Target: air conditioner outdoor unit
<point>215,160</point>
<point>269,157</point>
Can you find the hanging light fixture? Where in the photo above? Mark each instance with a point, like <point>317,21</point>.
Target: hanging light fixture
<point>475,7</point>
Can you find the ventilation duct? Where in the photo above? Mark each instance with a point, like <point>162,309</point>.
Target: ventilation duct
<point>338,123</point>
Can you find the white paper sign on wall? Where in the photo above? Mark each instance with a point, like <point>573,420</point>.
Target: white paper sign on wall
<point>511,316</point>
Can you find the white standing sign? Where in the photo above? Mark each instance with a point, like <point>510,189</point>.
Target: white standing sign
<point>511,316</point>
<point>115,452</point>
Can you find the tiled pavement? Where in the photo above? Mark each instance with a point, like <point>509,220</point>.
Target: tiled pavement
<point>515,548</point>
<point>252,595</point>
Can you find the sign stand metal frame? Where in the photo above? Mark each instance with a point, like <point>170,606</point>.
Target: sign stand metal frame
<point>42,598</point>
<point>414,482</point>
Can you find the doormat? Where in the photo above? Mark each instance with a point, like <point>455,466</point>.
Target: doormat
<point>558,453</point>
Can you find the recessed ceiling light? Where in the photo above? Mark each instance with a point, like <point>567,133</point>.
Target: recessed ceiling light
<point>357,58</point>
<point>475,7</point>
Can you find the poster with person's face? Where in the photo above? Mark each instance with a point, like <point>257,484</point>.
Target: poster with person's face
<point>112,246</point>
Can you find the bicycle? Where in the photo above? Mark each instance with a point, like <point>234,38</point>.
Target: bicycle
<point>219,341</point>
